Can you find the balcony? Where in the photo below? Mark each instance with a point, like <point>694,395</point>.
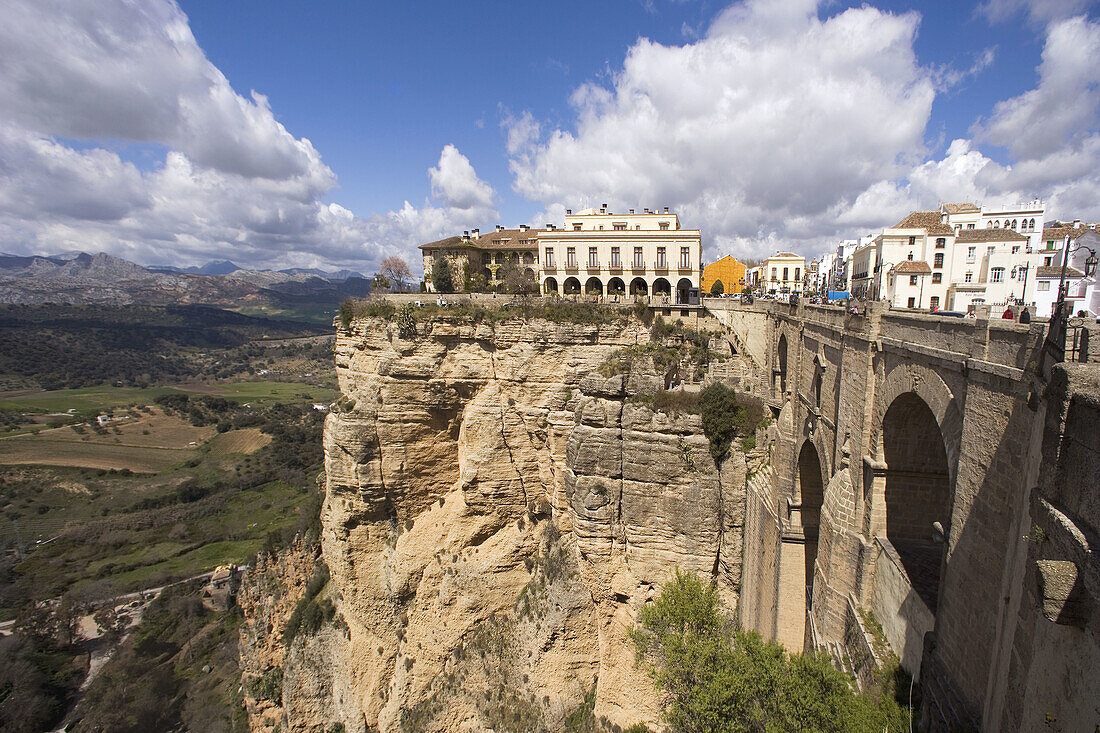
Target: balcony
<point>550,267</point>
<point>592,265</point>
<point>571,266</point>
<point>661,267</point>
<point>638,267</point>
<point>685,268</point>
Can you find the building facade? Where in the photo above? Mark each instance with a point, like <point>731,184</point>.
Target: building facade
<point>728,270</point>
<point>783,272</point>
<point>600,252</point>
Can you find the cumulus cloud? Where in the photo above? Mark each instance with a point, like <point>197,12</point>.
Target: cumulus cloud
<point>233,183</point>
<point>455,184</point>
<point>761,127</point>
<point>783,129</point>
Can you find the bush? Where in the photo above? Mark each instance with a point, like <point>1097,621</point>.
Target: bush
<point>717,288</point>
<point>727,414</point>
<point>718,678</point>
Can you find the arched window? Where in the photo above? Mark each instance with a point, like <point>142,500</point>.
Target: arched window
<point>1013,225</point>
<point>910,255</point>
<point>997,224</point>
<point>1031,225</point>
<point>989,225</point>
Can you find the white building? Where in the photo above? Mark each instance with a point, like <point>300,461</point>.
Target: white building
<point>783,273</point>
<point>600,252</point>
<point>1082,292</point>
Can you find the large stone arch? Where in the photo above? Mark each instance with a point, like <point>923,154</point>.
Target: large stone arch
<point>934,392</point>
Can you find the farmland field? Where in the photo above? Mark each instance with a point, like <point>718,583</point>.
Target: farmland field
<point>36,450</point>
<point>243,441</point>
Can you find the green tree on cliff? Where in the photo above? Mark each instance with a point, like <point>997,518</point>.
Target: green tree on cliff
<point>717,288</point>
<point>718,678</point>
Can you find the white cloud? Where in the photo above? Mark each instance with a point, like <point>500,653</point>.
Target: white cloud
<point>234,182</point>
<point>1062,109</point>
<point>761,128</point>
<point>455,184</point>
<point>779,129</point>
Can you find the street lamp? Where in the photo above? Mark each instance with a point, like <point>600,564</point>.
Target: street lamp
<point>1090,268</point>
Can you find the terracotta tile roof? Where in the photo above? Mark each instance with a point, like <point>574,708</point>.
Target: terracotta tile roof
<point>508,239</point>
<point>1058,233</point>
<point>960,208</point>
<point>1056,272</point>
<point>989,235</point>
<point>447,243</point>
<point>929,220</point>
<point>785,254</point>
<point>912,267</point>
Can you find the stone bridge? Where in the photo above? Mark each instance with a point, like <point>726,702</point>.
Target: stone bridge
<point>922,489</point>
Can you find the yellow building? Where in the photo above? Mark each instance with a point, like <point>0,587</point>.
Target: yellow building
<point>729,271</point>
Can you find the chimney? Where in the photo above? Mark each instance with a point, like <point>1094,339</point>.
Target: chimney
<point>1076,223</point>
<point>465,236</point>
<point>523,227</point>
<point>500,227</point>
<point>569,212</point>
<point>632,211</point>
<point>943,217</point>
<point>550,227</point>
<point>666,209</point>
<point>475,233</point>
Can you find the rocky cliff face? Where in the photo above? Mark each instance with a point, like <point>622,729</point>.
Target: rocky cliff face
<point>496,514</point>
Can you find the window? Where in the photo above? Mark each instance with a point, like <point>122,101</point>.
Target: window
<point>912,279</point>
<point>773,274</point>
<point>685,257</point>
<point>1044,285</point>
<point>912,241</point>
<point>786,274</point>
<point>969,277</point>
<point>593,258</point>
<point>937,277</point>
<point>990,250</point>
<point>638,262</point>
<point>934,302</point>
<point>941,242</point>
<point>1015,249</point>
<point>576,227</point>
<point>989,225</point>
<point>601,227</point>
<point>620,227</point>
<point>571,257</point>
<point>1047,261</point>
<point>663,225</point>
<point>937,261</point>
<point>615,257</point>
<point>912,302</point>
<point>798,274</point>
<point>661,257</point>
<point>549,257</point>
<point>997,274</point>
<point>970,253</point>
<point>969,226</point>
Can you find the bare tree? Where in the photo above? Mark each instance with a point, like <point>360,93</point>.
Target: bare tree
<point>397,271</point>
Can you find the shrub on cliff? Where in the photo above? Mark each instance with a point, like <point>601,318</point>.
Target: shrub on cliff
<point>442,277</point>
<point>727,414</point>
<point>719,678</point>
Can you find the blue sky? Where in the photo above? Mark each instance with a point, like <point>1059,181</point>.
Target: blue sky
<point>335,133</point>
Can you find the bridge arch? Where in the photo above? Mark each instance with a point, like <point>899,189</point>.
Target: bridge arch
<point>915,444</point>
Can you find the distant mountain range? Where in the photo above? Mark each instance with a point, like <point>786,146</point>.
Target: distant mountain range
<point>79,278</point>
<point>225,267</point>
